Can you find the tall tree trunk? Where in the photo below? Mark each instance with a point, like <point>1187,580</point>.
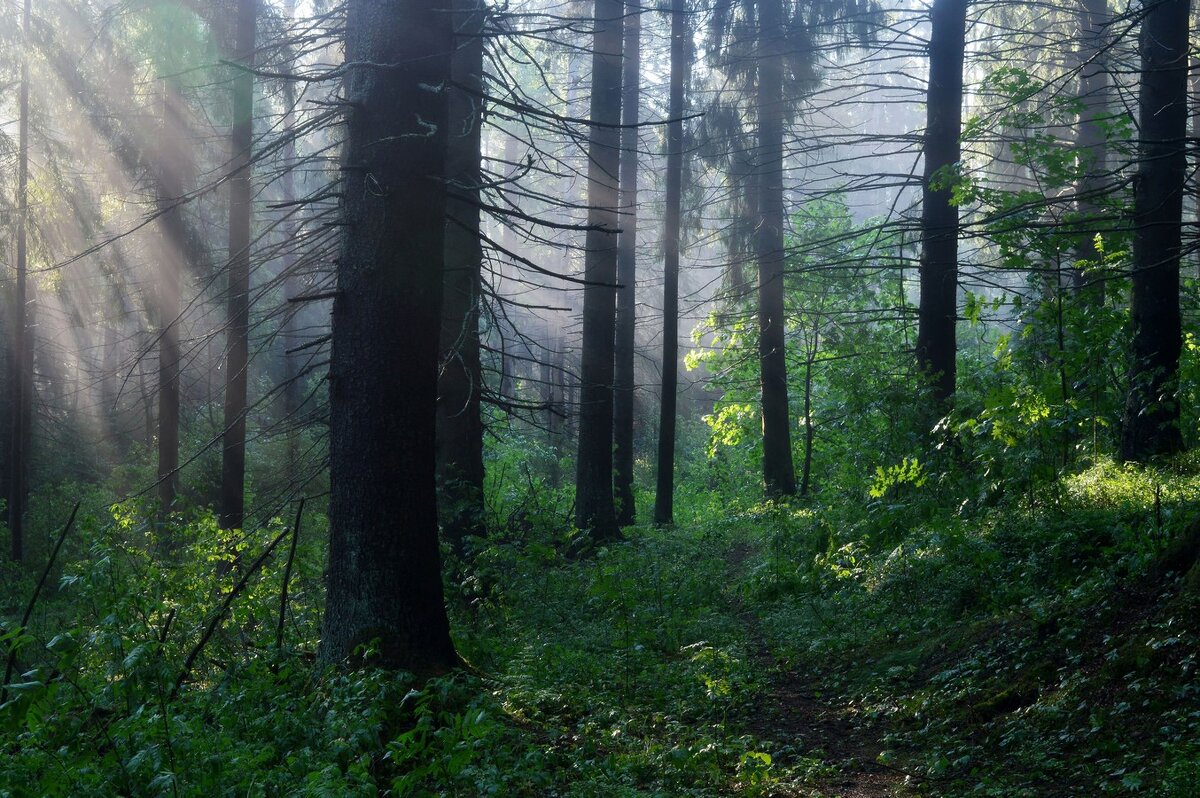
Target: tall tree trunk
<point>1091,142</point>
<point>779,473</point>
<point>594,510</point>
<point>506,267</point>
<point>384,581</point>
<point>937,315</point>
<point>171,159</point>
<point>21,358</point>
<point>460,426</point>
<point>241,209</point>
<point>293,389</point>
<point>664,495</point>
<point>1151,423</point>
<point>627,276</point>
<point>1195,98</point>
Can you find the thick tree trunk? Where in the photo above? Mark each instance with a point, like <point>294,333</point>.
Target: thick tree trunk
<point>384,582</point>
<point>779,473</point>
<point>938,312</point>
<point>627,276</point>
<point>1151,423</point>
<point>241,208</point>
<point>664,495</point>
<point>460,426</point>
<point>21,358</point>
<point>594,509</point>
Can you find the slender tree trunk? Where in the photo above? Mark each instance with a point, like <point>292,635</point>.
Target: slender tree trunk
<point>22,352</point>
<point>547,380</point>
<point>460,426</point>
<point>1195,98</point>
<point>557,412</point>
<point>241,210</point>
<point>149,420</point>
<point>937,315</point>
<point>508,241</point>
<point>1151,423</point>
<point>664,495</point>
<point>779,473</point>
<point>627,276</point>
<point>171,160</point>
<point>293,389</point>
<point>594,509</point>
<point>1091,142</point>
<point>384,581</point>
<point>814,348</point>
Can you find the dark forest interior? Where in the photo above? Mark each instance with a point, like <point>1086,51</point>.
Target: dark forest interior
<point>749,398</point>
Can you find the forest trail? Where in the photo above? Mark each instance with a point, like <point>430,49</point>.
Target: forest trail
<point>792,711</point>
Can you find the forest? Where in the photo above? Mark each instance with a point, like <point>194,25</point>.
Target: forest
<point>602,399</point>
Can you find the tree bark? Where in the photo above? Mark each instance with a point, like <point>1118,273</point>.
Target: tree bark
<point>937,315</point>
<point>460,426</point>
<point>384,583</point>
<point>1151,423</point>
<point>664,495</point>
<point>241,209</point>
<point>594,508</point>
<point>779,473</point>
<point>627,276</point>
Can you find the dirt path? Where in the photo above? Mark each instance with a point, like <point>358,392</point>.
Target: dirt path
<point>791,711</point>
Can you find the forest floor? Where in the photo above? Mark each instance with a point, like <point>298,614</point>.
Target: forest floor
<point>831,652</point>
<point>841,650</point>
<point>792,709</point>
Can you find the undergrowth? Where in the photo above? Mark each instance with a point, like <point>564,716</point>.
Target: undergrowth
<point>1038,647</point>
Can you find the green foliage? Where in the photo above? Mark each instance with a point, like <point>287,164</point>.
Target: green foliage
<point>844,341</point>
<point>1013,651</point>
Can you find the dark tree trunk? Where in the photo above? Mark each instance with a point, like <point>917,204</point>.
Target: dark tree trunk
<point>814,344</point>
<point>779,473</point>
<point>384,579</point>
<point>1091,142</point>
<point>594,509</point>
<point>938,312</point>
<point>627,277</point>
<point>293,389</point>
<point>21,358</point>
<point>1195,89</point>
<point>172,163</point>
<point>664,495</point>
<point>557,411</point>
<point>508,381</point>
<point>460,426</point>
<point>1151,423</point>
<point>241,208</point>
